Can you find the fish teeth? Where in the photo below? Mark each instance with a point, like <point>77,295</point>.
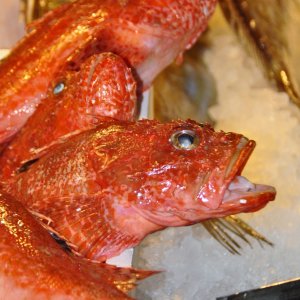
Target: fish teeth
<point>243,201</point>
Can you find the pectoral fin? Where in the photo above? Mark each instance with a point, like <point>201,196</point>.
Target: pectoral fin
<point>88,225</point>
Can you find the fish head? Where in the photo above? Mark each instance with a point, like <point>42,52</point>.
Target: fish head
<point>100,83</point>
<point>183,172</point>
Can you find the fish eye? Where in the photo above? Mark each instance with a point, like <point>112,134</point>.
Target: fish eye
<point>58,88</point>
<point>185,139</point>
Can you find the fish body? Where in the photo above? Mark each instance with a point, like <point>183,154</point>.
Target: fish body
<point>34,266</point>
<point>105,189</point>
<point>101,86</point>
<point>147,34</point>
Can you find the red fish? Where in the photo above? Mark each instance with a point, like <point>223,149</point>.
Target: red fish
<point>147,34</point>
<point>107,188</point>
<point>101,86</point>
<point>34,266</point>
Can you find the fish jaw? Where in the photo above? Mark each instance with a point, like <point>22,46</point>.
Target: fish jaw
<point>241,202</point>
<point>211,194</point>
<point>248,196</point>
<point>238,194</point>
<point>236,200</point>
<point>241,196</point>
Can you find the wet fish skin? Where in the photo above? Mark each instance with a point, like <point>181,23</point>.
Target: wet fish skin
<point>34,266</point>
<point>107,188</point>
<point>101,86</point>
<point>147,34</point>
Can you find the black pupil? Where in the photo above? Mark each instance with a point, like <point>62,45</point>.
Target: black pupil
<point>185,140</point>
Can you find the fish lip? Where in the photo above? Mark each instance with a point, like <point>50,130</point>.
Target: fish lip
<point>260,192</point>
<point>222,179</point>
<point>239,159</point>
<point>254,199</point>
<point>238,162</point>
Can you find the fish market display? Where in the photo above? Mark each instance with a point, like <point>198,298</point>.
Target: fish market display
<point>97,180</point>
<point>148,35</point>
<point>34,266</point>
<point>105,189</point>
<point>102,86</point>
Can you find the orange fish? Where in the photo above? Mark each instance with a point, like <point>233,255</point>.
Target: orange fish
<point>149,35</point>
<point>101,86</point>
<point>105,189</point>
<point>34,266</point>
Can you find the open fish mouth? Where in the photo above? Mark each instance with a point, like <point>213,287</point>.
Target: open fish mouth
<point>243,193</point>
<point>239,191</point>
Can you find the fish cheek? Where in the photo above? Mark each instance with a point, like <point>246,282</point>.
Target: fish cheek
<point>158,191</point>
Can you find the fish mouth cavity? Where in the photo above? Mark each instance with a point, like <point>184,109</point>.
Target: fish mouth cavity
<point>238,188</point>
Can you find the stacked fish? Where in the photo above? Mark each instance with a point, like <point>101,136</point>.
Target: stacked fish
<point>79,165</point>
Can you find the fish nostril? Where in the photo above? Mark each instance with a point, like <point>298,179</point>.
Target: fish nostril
<point>73,66</point>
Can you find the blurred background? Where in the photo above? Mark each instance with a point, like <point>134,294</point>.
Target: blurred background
<point>11,23</point>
